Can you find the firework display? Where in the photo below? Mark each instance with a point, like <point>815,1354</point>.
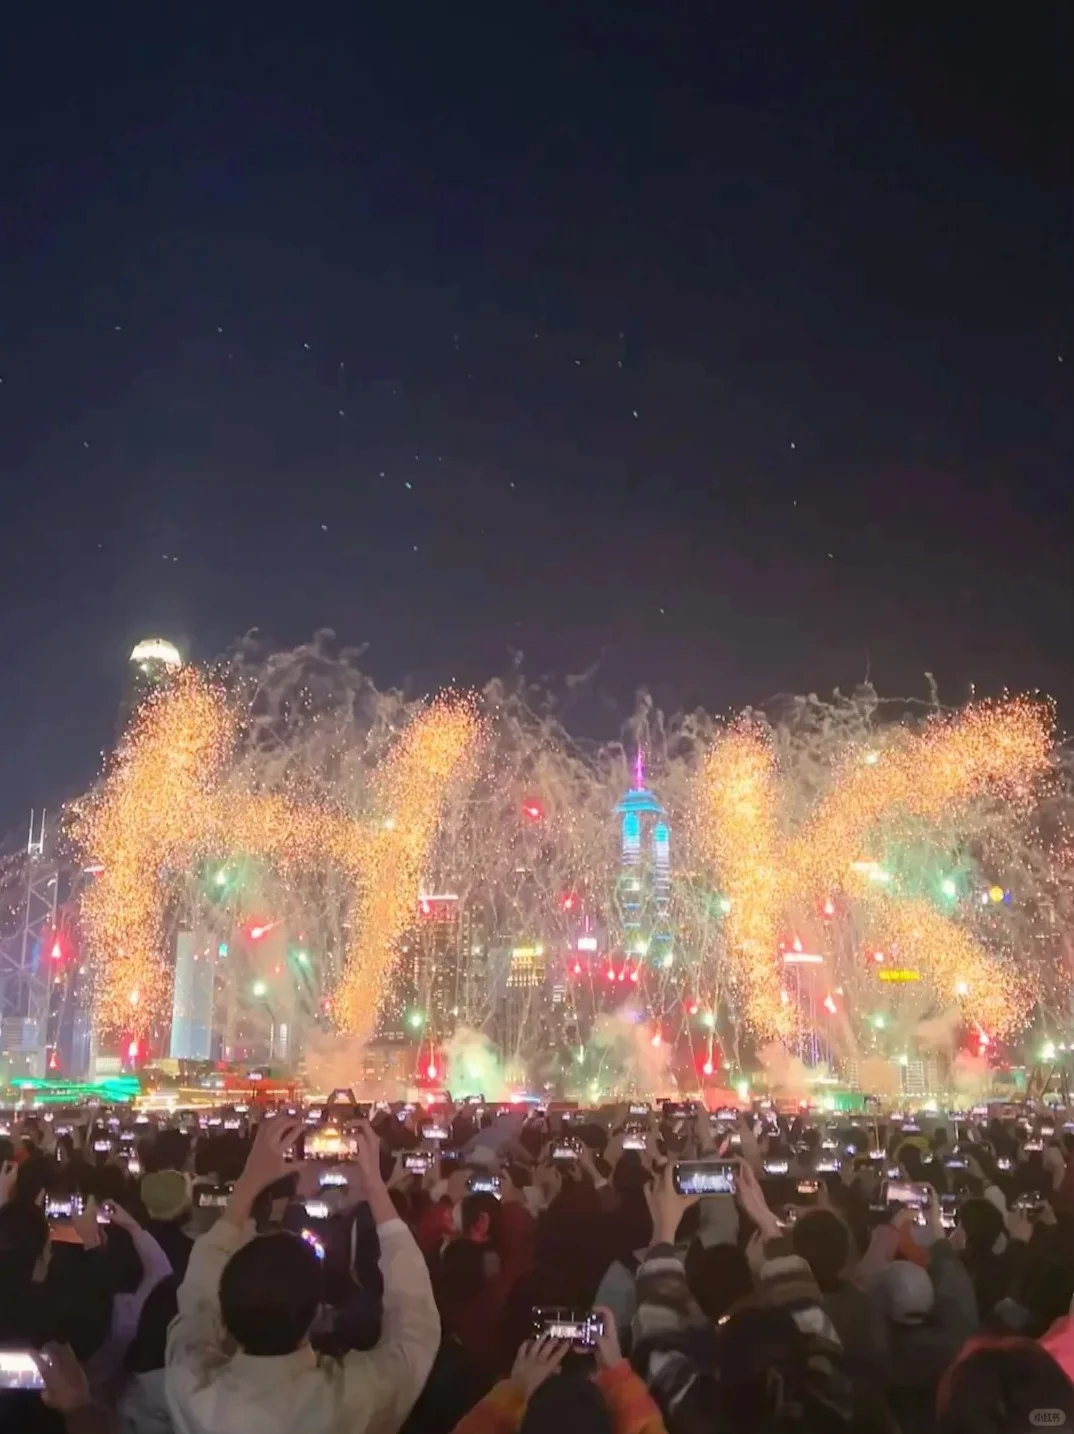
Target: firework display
<point>465,884</point>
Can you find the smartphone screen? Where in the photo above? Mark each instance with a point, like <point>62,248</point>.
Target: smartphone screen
<point>564,1151</point>
<point>776,1167</point>
<point>704,1177</point>
<point>485,1185</point>
<point>633,1142</point>
<point>317,1209</point>
<point>582,1331</point>
<point>417,1163</point>
<point>18,1370</point>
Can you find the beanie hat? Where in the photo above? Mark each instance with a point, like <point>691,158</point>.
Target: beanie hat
<point>905,1292</point>
<point>165,1194</point>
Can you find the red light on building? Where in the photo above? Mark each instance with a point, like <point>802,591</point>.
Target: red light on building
<point>611,973</point>
<point>568,901</point>
<point>533,810</point>
<point>57,951</point>
<point>430,1070</point>
<point>577,968</point>
<point>707,1068</point>
<point>634,977</point>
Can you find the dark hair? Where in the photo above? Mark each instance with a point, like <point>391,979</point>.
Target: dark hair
<point>461,1274</point>
<point>23,1237</point>
<point>566,1404</point>
<point>269,1293</point>
<point>473,1207</point>
<point>168,1150</point>
<point>823,1241</point>
<point>719,1276</point>
<point>983,1225</point>
<point>996,1385</point>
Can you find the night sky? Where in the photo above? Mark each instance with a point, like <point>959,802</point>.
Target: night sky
<point>721,344</point>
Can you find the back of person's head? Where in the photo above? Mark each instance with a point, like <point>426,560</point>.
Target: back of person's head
<point>719,1276</point>
<point>1045,1289</point>
<point>461,1273</point>
<point>168,1150</point>
<point>774,1377</point>
<point>983,1225</point>
<point>270,1292</point>
<point>1003,1386</point>
<point>23,1241</point>
<point>481,1219</point>
<point>567,1404</point>
<point>823,1241</point>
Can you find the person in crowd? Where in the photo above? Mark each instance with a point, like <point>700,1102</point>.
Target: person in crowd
<point>1004,1385</point>
<point>166,1196</point>
<point>540,1397</point>
<point>822,1238</point>
<point>264,1291</point>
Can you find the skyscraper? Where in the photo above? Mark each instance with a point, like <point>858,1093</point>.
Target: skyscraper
<point>152,662</point>
<point>643,888</point>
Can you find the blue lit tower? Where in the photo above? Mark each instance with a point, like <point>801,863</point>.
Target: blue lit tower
<point>643,890</point>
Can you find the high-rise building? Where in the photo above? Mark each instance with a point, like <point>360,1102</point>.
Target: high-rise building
<point>527,1007</point>
<point>152,662</point>
<point>437,984</point>
<point>192,1008</point>
<point>643,888</point>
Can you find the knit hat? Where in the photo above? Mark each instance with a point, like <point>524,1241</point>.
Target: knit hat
<point>165,1195</point>
<point>905,1292</point>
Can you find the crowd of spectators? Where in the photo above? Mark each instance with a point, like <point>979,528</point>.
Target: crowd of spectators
<point>539,1272</point>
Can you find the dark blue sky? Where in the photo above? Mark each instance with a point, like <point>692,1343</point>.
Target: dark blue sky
<point>722,343</point>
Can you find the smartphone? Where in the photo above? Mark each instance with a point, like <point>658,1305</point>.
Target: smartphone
<point>141,1120</point>
<point>63,1130</point>
<point>312,1241</point>
<point>1033,1145</point>
<point>956,1162</point>
<point>1003,1162</point>
<point>808,1190</point>
<point>727,1113</point>
<point>63,1207</point>
<point>100,1146</point>
<point>485,1185</point>
<point>827,1167</point>
<point>704,1177</point>
<point>582,1331</point>
<point>233,1123</point>
<point>949,1211</point>
<point>134,1167</point>
<point>18,1370</point>
<point>417,1162</point>
<point>905,1192</point>
<point>563,1150</point>
<point>333,1180</point>
<point>434,1132</point>
<point>638,1110</point>
<point>776,1167</point>
<point>212,1197</point>
<point>1032,1203</point>
<point>317,1209</point>
<point>633,1142</point>
<point>126,1137</point>
<point>877,1157</point>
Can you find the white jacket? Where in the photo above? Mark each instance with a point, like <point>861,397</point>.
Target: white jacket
<point>212,1390</point>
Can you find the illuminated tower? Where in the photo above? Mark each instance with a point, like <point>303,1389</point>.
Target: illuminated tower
<point>643,889</point>
<point>153,661</point>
